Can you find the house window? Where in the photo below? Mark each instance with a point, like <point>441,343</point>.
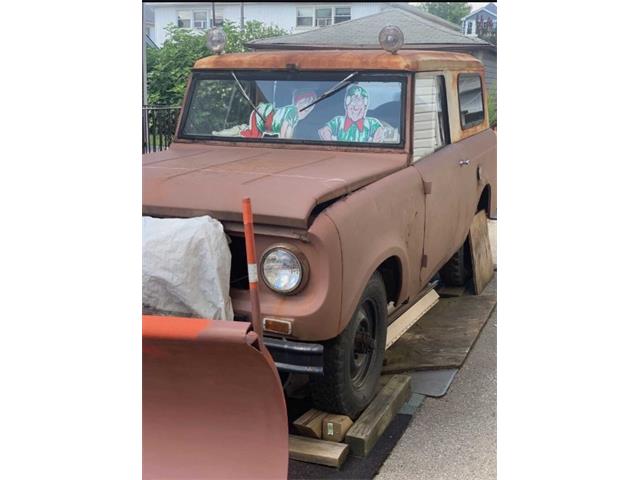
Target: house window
<point>470,100</point>
<point>200,19</point>
<point>184,19</point>
<point>304,17</point>
<point>469,27</point>
<point>219,20</point>
<point>323,17</point>
<point>342,14</point>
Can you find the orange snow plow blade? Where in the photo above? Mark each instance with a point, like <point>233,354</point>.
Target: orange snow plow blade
<point>213,405</point>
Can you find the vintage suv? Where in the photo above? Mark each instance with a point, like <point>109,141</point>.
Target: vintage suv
<point>365,169</point>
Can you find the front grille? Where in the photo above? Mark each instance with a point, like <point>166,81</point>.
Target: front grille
<point>239,272</point>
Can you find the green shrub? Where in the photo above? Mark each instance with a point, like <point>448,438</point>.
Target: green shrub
<point>168,67</point>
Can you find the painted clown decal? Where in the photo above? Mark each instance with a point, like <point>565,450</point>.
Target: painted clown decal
<point>354,125</point>
<point>279,122</point>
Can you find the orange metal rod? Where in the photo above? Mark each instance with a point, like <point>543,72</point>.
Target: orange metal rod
<point>247,219</point>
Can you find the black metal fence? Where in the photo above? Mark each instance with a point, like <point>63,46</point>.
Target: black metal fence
<point>158,127</point>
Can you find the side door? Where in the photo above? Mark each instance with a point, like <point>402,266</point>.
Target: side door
<point>446,165</point>
<point>435,159</point>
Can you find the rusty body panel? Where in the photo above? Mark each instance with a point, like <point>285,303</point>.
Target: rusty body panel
<point>205,384</point>
<point>381,221</point>
<point>316,311</point>
<point>404,60</point>
<point>347,208</point>
<point>285,185</point>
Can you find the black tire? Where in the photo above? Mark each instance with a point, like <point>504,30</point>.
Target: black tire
<point>456,271</point>
<point>353,360</point>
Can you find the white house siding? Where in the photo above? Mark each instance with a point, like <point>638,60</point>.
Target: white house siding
<point>281,14</point>
<point>473,21</point>
<point>490,68</point>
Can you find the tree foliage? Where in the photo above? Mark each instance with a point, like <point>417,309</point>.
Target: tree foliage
<point>451,11</point>
<point>168,67</point>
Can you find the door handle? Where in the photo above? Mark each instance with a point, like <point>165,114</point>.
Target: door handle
<point>463,163</point>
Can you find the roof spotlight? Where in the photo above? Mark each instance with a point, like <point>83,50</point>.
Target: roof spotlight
<point>391,38</point>
<point>216,40</point>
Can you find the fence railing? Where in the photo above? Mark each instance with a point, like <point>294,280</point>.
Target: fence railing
<point>158,127</point>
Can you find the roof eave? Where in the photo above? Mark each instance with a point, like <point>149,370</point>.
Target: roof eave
<point>414,46</point>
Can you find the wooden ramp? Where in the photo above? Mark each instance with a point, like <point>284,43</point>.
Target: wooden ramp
<point>405,321</point>
<point>443,338</point>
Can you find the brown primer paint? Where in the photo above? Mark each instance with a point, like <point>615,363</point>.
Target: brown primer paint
<point>379,208</point>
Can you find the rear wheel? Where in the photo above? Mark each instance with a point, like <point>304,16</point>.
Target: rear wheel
<point>457,270</point>
<point>353,360</point>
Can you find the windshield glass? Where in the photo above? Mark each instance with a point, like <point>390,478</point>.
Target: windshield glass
<point>367,109</point>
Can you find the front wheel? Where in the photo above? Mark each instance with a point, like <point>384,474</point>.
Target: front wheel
<point>353,360</point>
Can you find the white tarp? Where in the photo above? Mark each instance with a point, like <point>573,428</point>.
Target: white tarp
<point>186,267</point>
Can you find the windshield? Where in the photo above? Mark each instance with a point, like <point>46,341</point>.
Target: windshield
<point>288,107</point>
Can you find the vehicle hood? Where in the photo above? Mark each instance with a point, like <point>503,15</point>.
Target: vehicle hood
<point>284,184</point>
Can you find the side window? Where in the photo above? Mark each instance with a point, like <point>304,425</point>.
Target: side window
<point>470,100</point>
<point>430,117</point>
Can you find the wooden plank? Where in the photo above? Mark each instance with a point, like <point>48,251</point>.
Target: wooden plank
<point>334,427</point>
<point>311,450</point>
<point>411,316</point>
<point>481,258</point>
<point>310,423</point>
<point>370,426</point>
<point>444,337</point>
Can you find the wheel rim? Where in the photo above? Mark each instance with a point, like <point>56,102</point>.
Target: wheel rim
<point>363,343</point>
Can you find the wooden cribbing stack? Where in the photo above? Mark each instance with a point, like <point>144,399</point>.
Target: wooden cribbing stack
<point>359,438</point>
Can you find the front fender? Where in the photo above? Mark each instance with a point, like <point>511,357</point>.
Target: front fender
<point>383,220</point>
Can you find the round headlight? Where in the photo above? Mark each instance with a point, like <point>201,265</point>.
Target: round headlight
<point>283,270</point>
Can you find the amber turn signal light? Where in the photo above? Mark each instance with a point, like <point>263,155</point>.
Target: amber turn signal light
<point>275,325</point>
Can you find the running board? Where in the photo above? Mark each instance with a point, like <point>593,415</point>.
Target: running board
<point>405,321</point>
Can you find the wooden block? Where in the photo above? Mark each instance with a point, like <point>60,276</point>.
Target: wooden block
<point>481,258</point>
<point>367,429</point>
<point>384,379</point>
<point>405,321</point>
<point>322,452</point>
<point>334,427</point>
<point>310,424</point>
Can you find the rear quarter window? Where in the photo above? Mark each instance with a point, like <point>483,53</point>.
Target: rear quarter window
<point>470,100</point>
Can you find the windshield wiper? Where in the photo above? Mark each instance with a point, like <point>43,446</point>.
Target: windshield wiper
<point>246,97</point>
<point>335,89</point>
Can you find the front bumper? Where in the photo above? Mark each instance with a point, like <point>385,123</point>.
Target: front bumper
<point>296,357</point>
